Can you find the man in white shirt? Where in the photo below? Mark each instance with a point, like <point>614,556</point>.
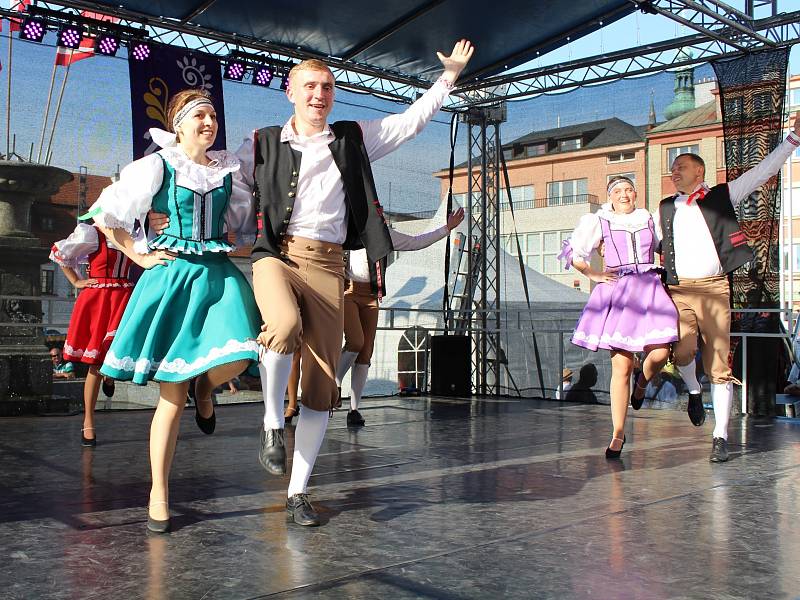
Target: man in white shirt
<point>317,198</point>
<point>701,244</point>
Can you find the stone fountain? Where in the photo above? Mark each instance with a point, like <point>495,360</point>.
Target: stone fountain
<point>26,375</point>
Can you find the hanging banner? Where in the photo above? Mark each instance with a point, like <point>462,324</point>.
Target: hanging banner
<point>158,76</point>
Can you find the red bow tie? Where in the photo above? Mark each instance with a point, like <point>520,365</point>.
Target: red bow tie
<point>697,195</point>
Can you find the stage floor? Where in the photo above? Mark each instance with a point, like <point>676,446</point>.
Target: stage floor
<point>434,498</point>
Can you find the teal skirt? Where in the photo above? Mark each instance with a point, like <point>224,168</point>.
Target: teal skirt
<point>183,319</point>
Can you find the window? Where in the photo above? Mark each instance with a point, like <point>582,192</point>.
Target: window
<point>570,191</point>
<point>570,144</point>
<point>673,153</point>
<point>521,195</point>
<point>796,154</point>
<point>539,249</point>
<point>631,176</point>
<point>411,354</point>
<point>536,149</point>
<point>762,104</point>
<point>794,97</point>
<point>734,106</point>
<point>46,279</point>
<point>48,224</point>
<point>621,156</point>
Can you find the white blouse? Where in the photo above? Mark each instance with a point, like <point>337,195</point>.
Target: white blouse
<point>358,265</point>
<point>128,200</point>
<point>75,250</point>
<point>588,234</point>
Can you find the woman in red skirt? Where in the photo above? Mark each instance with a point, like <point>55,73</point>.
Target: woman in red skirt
<point>98,309</point>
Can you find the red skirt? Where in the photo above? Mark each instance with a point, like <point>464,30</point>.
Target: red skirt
<point>95,317</point>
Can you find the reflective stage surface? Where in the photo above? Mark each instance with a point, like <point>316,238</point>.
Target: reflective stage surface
<point>432,499</point>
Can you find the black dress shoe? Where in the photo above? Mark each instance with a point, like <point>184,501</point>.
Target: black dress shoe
<point>719,450</point>
<point>272,454</point>
<point>615,453</point>
<point>636,403</point>
<point>206,425</point>
<point>697,414</point>
<point>156,526</point>
<point>299,510</point>
<point>108,387</point>
<point>354,419</point>
<point>86,442</point>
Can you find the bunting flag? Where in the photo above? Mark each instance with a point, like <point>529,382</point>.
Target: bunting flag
<point>19,6</point>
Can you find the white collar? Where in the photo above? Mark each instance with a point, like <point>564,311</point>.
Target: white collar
<point>288,134</point>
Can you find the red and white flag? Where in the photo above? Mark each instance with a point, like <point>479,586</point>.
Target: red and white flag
<point>65,56</point>
<point>19,6</point>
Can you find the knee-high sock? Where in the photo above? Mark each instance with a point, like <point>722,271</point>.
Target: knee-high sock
<point>346,361</point>
<point>308,436</point>
<point>689,376</point>
<point>358,380</point>
<point>722,397</point>
<point>275,369</point>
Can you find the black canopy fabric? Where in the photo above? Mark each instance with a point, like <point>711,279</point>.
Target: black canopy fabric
<point>399,36</point>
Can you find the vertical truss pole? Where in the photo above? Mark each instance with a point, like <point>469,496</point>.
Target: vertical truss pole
<point>483,166</point>
<point>473,214</point>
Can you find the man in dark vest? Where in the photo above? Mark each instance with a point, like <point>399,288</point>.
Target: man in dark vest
<point>317,198</point>
<point>701,245</point>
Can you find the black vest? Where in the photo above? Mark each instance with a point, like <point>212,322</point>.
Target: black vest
<point>277,167</point>
<point>720,217</point>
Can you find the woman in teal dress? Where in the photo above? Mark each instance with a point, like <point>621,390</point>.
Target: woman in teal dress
<point>192,313</point>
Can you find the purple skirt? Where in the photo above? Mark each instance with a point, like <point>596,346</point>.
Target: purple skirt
<point>633,312</point>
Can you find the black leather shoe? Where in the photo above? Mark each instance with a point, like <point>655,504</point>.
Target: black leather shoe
<point>86,442</point>
<point>697,414</point>
<point>206,425</point>
<point>272,454</point>
<point>719,450</point>
<point>354,419</point>
<point>108,387</point>
<point>610,454</point>
<point>636,403</point>
<point>156,526</point>
<point>300,511</point>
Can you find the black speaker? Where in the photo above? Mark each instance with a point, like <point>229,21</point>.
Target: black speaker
<point>451,368</point>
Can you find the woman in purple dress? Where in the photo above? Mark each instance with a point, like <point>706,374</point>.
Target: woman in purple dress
<point>628,310</point>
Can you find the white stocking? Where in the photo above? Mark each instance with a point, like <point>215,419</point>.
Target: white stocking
<point>689,376</point>
<point>722,398</point>
<point>308,436</point>
<point>346,361</point>
<point>275,369</point>
<point>357,382</point>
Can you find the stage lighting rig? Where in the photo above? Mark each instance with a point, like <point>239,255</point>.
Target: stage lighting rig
<point>70,36</point>
<point>234,70</point>
<point>106,43</point>
<point>33,29</point>
<point>139,49</point>
<point>262,75</point>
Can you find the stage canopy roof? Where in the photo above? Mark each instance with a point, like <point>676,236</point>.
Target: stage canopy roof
<point>400,37</point>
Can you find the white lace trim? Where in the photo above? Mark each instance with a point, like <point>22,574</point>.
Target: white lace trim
<point>179,365</point>
<point>195,248</point>
<point>202,176</point>
<point>109,221</point>
<point>632,221</point>
<point>127,284</point>
<point>618,338</point>
<point>80,352</point>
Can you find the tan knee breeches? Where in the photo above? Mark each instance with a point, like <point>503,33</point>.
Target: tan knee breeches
<point>360,321</point>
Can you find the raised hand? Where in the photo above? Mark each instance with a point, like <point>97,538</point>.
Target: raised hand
<point>454,220</point>
<point>458,59</point>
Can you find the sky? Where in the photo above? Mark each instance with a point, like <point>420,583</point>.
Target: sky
<point>94,124</point>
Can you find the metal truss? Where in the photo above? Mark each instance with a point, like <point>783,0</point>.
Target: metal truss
<point>714,19</point>
<point>483,212</point>
<point>782,30</point>
<point>723,32</point>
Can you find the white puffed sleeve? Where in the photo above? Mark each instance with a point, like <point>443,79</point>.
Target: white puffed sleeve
<point>657,225</point>
<point>586,237</point>
<point>241,215</point>
<point>125,201</point>
<point>75,250</point>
